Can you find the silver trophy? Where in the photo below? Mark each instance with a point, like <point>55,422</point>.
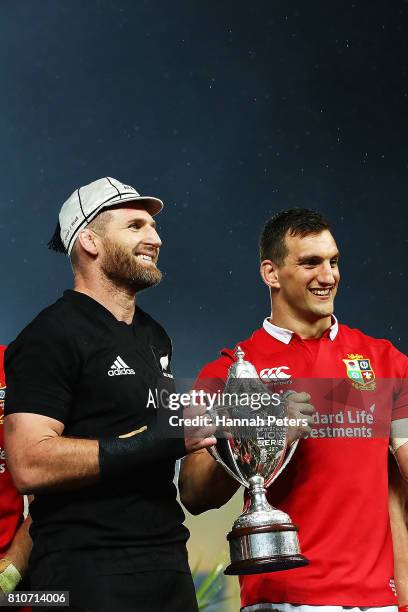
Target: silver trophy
<point>263,538</point>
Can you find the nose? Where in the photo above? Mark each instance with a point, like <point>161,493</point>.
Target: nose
<point>153,238</point>
<point>326,274</point>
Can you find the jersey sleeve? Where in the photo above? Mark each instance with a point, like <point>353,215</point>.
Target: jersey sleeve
<point>400,404</point>
<point>399,419</point>
<point>41,368</point>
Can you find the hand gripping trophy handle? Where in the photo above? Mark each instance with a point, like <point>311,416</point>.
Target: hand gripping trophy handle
<point>263,538</point>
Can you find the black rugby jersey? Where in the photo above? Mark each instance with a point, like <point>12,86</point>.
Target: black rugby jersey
<point>75,362</point>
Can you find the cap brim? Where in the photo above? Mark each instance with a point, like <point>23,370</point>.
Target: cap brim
<point>152,205</point>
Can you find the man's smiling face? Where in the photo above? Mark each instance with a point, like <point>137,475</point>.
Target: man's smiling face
<point>131,248</point>
<point>309,275</point>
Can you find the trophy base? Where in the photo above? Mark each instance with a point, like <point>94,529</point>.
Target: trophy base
<point>265,565</point>
<point>264,548</point>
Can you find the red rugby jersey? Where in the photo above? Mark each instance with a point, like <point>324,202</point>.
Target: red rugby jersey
<point>11,503</point>
<point>334,489</point>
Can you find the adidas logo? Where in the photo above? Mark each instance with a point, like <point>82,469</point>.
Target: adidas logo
<point>119,368</point>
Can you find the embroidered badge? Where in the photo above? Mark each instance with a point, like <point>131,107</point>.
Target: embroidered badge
<point>360,372</point>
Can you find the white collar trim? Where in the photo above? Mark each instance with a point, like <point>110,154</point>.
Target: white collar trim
<point>285,335</point>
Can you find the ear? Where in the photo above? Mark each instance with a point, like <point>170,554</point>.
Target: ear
<point>89,241</point>
<point>270,274</point>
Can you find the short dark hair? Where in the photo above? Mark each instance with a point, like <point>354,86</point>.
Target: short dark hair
<point>296,222</point>
<point>56,244</point>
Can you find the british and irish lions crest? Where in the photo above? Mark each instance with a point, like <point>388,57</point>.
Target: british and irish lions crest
<point>360,372</point>
<point>263,538</point>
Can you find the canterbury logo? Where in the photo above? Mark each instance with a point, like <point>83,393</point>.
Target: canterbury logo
<point>120,368</point>
<point>275,373</point>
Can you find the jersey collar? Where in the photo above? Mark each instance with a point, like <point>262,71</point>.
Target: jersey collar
<point>285,335</point>
<point>95,308</point>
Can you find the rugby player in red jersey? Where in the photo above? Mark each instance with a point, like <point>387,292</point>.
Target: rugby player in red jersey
<point>334,488</point>
<point>15,542</point>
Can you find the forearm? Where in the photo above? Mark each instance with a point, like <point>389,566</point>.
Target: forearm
<point>40,458</point>
<point>13,564</point>
<point>59,463</point>
<point>399,536</point>
<point>396,504</point>
<point>204,484</point>
<point>56,463</point>
<point>20,549</point>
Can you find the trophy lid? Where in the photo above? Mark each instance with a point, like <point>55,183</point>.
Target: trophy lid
<point>242,368</point>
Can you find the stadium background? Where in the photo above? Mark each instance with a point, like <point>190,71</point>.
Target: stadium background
<point>229,112</point>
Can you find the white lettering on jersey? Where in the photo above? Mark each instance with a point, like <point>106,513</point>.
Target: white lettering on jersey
<point>120,368</point>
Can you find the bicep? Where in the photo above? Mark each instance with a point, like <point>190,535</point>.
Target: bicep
<point>194,461</point>
<point>401,455</point>
<point>193,466</point>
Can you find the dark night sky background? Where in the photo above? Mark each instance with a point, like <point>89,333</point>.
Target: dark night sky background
<point>229,111</point>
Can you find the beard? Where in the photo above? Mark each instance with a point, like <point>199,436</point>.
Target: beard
<point>125,270</point>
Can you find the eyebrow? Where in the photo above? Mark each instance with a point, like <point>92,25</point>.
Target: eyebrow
<point>315,259</point>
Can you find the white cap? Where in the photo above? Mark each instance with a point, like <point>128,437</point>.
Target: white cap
<point>86,202</point>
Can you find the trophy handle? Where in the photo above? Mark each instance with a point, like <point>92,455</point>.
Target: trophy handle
<point>284,464</point>
<point>288,454</point>
<point>215,455</point>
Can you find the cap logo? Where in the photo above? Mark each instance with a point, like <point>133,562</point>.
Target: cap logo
<point>128,188</point>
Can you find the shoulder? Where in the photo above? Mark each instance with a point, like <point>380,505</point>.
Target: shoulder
<point>49,326</point>
<point>154,330</point>
<point>50,317</point>
<point>380,344</point>
<point>380,347</point>
<point>219,367</point>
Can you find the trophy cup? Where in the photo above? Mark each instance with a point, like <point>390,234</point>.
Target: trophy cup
<point>263,538</point>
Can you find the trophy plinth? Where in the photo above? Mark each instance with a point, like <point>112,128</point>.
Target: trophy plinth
<point>263,539</point>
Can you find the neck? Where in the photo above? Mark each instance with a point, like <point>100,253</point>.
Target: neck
<point>303,328</point>
<point>120,301</point>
